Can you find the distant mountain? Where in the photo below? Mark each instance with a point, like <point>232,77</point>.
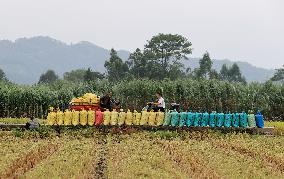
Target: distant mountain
<point>25,59</point>
<point>251,73</point>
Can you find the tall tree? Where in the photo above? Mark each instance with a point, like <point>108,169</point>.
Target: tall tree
<point>116,68</point>
<point>90,75</point>
<point>205,65</point>
<point>3,75</point>
<point>232,73</point>
<point>75,75</point>
<point>224,72</point>
<point>48,77</point>
<point>137,63</point>
<point>278,75</point>
<point>168,50</point>
<point>235,74</point>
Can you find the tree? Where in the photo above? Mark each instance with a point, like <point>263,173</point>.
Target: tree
<point>3,75</point>
<point>90,75</point>
<point>137,63</point>
<point>232,74</point>
<point>48,77</point>
<point>278,75</point>
<point>167,50</point>
<point>75,75</point>
<point>235,74</point>
<point>116,68</point>
<point>224,72</point>
<point>205,65</point>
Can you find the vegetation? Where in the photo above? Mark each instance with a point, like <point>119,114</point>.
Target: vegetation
<point>17,100</point>
<point>141,155</point>
<point>48,77</point>
<point>3,75</point>
<point>279,75</point>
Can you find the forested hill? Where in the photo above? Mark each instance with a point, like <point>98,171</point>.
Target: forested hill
<point>25,59</point>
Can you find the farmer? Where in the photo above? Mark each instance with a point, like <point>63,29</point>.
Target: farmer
<point>160,104</point>
<point>105,101</point>
<point>33,123</point>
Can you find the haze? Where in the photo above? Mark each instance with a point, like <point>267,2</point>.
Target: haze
<point>239,30</point>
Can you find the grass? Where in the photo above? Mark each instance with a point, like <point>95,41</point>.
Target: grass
<point>278,125</point>
<point>83,153</point>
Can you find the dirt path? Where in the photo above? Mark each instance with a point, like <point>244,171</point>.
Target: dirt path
<point>29,161</point>
<point>100,162</point>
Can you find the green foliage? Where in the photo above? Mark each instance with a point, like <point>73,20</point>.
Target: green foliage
<point>232,74</point>
<point>75,75</point>
<point>164,52</point>
<point>18,100</point>
<point>279,75</point>
<point>116,68</point>
<point>48,77</point>
<point>92,76</point>
<point>205,68</point>
<point>3,75</point>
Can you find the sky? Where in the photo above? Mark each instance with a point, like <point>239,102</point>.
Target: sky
<point>239,30</point>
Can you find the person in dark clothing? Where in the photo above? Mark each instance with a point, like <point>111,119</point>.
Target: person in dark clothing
<point>33,123</point>
<point>105,101</point>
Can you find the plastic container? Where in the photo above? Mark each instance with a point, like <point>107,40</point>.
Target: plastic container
<point>204,120</point>
<point>182,120</point>
<point>144,118</point>
<point>114,118</point>
<point>259,120</point>
<point>136,117</point>
<point>167,120</point>
<point>228,120</point>
<point>129,118</point>
<point>174,118</point>
<point>189,119</point>
<point>67,118</point>
<point>60,117</point>
<point>212,119</point>
<point>160,118</point>
<point>236,120</point>
<point>83,117</point>
<point>243,120</point>
<point>51,118</point>
<point>91,117</point>
<point>106,116</point>
<point>220,119</point>
<point>75,117</point>
<point>197,119</point>
<point>152,118</point>
<point>251,119</point>
<point>99,117</point>
<point>121,118</point>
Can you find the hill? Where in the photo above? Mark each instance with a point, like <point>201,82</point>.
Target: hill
<point>25,59</point>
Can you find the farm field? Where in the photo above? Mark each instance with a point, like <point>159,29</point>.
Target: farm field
<point>88,153</point>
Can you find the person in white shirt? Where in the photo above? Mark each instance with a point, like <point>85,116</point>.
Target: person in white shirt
<point>160,104</point>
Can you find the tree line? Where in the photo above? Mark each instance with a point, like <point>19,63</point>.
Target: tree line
<point>160,59</point>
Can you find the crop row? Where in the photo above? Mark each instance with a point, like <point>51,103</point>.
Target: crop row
<point>213,95</point>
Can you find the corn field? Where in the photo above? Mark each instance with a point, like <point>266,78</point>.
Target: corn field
<point>18,100</point>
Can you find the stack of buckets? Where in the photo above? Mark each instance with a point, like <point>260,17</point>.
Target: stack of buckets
<point>170,118</point>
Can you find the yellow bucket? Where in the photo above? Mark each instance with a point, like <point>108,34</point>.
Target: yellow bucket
<point>91,117</point>
<point>129,118</point>
<point>114,118</point>
<point>107,115</point>
<point>67,118</point>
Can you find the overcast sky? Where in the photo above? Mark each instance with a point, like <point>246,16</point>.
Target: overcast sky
<point>239,30</point>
